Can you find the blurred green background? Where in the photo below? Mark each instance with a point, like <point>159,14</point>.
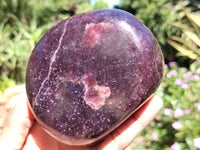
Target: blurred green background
<point>176,25</point>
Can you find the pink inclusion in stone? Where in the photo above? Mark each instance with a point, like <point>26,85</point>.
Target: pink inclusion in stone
<point>93,32</point>
<point>95,95</point>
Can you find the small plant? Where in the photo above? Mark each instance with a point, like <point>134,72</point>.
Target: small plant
<point>22,23</point>
<point>5,82</point>
<point>156,15</point>
<point>17,43</point>
<point>188,43</point>
<point>176,127</point>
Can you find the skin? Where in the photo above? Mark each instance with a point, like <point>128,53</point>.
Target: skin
<point>22,132</point>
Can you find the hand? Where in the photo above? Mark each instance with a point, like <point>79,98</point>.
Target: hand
<point>23,132</point>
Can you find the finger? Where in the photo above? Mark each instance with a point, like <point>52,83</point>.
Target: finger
<point>38,139</point>
<point>125,134</point>
<point>17,125</point>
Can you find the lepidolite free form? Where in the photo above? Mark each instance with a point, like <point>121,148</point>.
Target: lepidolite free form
<point>89,73</point>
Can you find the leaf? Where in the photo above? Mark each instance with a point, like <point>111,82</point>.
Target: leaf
<point>180,25</point>
<point>192,36</point>
<point>182,50</point>
<point>195,17</point>
<point>184,43</point>
<point>178,39</point>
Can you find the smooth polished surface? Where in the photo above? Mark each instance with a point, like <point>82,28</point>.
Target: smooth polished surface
<point>90,72</point>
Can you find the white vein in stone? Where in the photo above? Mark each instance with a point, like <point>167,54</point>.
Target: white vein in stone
<point>51,63</point>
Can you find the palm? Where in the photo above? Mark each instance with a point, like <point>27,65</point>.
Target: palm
<point>119,139</point>
<point>23,132</point>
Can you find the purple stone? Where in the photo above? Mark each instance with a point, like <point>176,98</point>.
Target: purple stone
<point>89,73</point>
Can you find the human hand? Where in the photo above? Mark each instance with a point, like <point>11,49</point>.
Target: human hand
<point>23,132</point>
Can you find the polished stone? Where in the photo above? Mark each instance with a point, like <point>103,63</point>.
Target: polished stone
<point>90,72</point>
